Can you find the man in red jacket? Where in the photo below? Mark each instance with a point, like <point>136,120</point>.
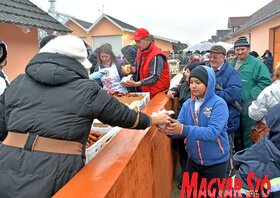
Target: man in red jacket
<point>152,68</point>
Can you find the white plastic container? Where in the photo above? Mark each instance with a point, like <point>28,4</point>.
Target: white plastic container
<point>94,149</point>
<point>139,106</point>
<point>111,132</point>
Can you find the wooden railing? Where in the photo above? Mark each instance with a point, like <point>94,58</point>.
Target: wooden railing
<point>136,163</point>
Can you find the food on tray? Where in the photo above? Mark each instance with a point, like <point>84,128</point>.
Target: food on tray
<point>100,125</point>
<point>119,94</point>
<point>128,98</point>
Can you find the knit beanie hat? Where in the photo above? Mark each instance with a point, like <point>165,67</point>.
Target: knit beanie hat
<point>200,73</point>
<point>230,51</point>
<point>3,51</point>
<point>68,45</point>
<point>241,42</point>
<point>191,66</point>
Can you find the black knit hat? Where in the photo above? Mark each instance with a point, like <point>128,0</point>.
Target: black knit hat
<point>200,73</point>
<point>191,66</point>
<point>230,51</point>
<point>3,51</point>
<point>241,42</point>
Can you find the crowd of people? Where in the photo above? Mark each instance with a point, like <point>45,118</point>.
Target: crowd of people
<point>46,116</point>
<point>243,81</point>
<point>221,96</point>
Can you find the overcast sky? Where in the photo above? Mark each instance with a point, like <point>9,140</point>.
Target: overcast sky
<point>188,21</point>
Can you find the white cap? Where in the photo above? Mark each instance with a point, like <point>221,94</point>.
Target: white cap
<point>68,45</point>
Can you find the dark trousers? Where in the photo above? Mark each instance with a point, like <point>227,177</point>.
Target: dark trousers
<point>208,172</point>
<point>183,154</point>
<point>230,167</point>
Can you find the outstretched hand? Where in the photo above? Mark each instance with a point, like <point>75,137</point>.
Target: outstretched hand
<point>131,83</point>
<point>173,128</point>
<point>170,94</point>
<point>161,118</point>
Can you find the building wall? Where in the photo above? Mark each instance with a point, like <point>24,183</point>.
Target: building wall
<point>276,46</point>
<point>127,36</point>
<point>165,46</point>
<point>261,36</point>
<point>106,28</point>
<point>78,31</point>
<point>21,48</point>
<point>234,38</point>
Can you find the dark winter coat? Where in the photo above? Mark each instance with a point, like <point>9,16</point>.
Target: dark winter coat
<point>263,158</point>
<point>228,86</point>
<point>182,91</point>
<point>268,61</point>
<point>92,57</point>
<point>53,99</point>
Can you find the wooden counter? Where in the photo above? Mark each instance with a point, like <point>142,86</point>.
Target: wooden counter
<point>136,163</point>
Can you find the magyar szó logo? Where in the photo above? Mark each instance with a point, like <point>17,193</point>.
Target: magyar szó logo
<point>226,187</point>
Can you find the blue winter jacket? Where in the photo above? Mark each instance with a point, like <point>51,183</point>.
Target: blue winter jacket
<point>206,142</point>
<point>228,87</point>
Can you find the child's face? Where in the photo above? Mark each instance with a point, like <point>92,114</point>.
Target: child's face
<point>105,58</point>
<point>186,73</point>
<point>197,87</point>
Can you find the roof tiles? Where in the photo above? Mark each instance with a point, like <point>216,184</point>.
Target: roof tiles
<point>23,12</point>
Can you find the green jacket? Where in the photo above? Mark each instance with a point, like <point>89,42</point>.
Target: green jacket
<point>255,77</point>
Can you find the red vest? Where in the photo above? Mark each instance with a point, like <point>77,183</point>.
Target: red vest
<point>146,57</point>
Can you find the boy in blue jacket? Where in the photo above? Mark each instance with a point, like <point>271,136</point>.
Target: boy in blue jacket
<point>203,122</point>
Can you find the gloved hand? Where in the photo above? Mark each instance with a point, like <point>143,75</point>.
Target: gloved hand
<point>95,75</point>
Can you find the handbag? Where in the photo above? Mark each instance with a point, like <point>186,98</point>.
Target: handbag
<point>259,130</point>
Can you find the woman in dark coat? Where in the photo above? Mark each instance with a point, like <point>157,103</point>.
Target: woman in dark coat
<point>54,102</point>
<point>268,61</point>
